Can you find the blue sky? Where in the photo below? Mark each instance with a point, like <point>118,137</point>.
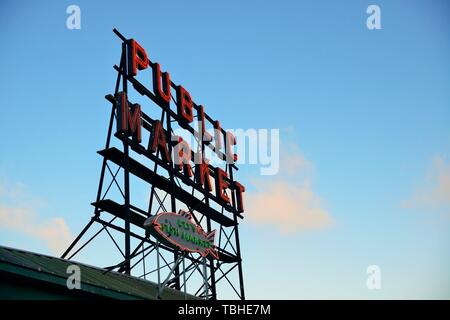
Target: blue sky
<point>368,110</point>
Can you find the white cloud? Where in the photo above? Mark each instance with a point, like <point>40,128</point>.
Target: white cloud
<point>19,215</point>
<point>434,192</point>
<point>287,200</point>
<point>290,208</point>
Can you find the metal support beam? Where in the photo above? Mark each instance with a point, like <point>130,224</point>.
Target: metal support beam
<point>174,183</point>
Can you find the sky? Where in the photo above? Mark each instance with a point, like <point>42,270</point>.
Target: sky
<point>363,117</point>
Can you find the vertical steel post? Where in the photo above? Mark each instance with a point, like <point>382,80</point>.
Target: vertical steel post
<point>157,263</point>
<point>238,245</point>
<point>126,174</point>
<point>208,224</point>
<point>172,194</point>
<point>205,278</point>
<point>184,279</point>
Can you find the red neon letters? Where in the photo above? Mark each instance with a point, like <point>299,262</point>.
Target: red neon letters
<point>184,104</point>
<point>239,195</point>
<point>158,141</point>
<point>161,84</point>
<point>203,174</point>
<point>129,118</point>
<point>129,123</point>
<point>182,154</point>
<point>138,58</point>
<point>221,185</point>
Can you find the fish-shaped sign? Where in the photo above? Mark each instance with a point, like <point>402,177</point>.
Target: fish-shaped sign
<point>180,230</point>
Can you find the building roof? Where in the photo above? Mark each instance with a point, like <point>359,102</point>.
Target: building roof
<point>95,282</point>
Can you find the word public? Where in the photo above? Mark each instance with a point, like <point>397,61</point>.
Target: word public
<point>130,123</point>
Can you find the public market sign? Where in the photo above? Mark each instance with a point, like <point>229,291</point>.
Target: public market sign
<point>131,121</point>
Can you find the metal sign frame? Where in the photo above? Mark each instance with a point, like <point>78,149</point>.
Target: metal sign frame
<point>166,194</point>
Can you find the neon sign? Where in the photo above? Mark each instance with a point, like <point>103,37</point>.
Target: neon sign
<point>179,230</point>
<point>186,178</point>
<point>130,123</point>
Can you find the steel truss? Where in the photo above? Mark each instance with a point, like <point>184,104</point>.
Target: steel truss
<point>171,267</point>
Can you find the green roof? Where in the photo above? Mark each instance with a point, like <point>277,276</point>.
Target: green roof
<point>50,272</point>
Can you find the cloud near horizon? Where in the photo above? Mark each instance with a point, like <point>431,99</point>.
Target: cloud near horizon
<point>434,192</point>
<point>19,215</point>
<point>287,200</point>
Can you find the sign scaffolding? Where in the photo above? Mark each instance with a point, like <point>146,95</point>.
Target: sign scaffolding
<point>189,231</point>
